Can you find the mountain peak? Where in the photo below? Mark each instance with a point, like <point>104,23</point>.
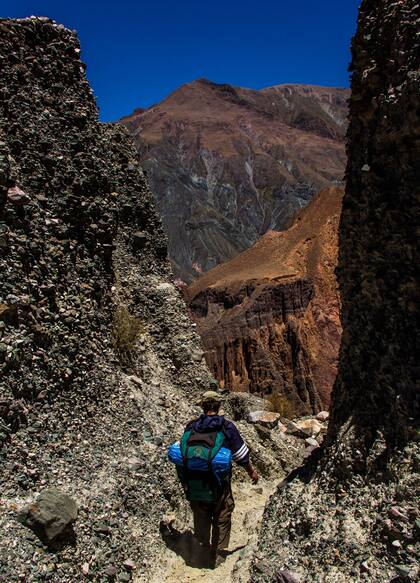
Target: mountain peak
<point>228,163</point>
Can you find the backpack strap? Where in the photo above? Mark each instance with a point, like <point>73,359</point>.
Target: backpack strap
<point>184,447</point>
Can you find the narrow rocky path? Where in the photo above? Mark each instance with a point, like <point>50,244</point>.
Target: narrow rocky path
<point>249,506</point>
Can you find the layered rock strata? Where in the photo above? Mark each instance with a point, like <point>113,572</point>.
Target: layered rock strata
<point>354,517</point>
<point>226,164</point>
<point>269,319</point>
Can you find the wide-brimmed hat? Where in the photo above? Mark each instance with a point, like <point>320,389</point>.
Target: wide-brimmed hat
<point>211,397</point>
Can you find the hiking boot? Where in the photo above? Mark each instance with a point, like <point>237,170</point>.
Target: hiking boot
<point>220,558</point>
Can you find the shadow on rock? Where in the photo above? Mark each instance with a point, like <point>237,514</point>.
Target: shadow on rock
<point>187,546</point>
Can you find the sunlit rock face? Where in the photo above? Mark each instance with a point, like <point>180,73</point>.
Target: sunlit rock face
<point>269,318</point>
<point>227,164</point>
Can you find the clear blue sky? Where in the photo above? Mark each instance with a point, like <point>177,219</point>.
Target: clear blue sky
<point>137,52</point>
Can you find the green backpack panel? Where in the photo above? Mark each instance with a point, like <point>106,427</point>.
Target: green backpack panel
<point>198,450</point>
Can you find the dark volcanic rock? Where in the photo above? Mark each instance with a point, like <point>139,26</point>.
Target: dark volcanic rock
<point>85,297</point>
<point>352,517</point>
<point>51,515</point>
<point>62,171</point>
<point>227,164</point>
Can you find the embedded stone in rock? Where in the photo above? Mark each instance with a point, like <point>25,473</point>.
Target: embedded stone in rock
<point>8,313</point>
<point>139,240</point>
<point>17,196</point>
<point>135,463</point>
<point>129,564</point>
<point>4,231</point>
<point>103,528</point>
<point>136,380</point>
<point>51,514</point>
<point>266,418</point>
<point>110,571</point>
<point>403,571</point>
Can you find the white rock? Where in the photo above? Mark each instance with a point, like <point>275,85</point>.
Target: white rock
<point>310,427</point>
<point>267,418</point>
<point>322,416</point>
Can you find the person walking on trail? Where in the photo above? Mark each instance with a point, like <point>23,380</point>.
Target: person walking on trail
<point>212,441</point>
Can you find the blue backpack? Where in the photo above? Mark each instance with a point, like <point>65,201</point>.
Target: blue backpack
<point>203,464</point>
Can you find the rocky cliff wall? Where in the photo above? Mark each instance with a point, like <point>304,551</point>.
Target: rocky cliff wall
<point>354,516</point>
<point>96,349</point>
<point>62,202</point>
<point>269,319</point>
<point>379,251</point>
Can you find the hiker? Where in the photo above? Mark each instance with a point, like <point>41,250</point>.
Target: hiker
<point>210,495</point>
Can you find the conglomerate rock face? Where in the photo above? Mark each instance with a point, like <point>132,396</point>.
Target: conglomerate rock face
<point>226,164</point>
<point>379,252</point>
<point>59,236</point>
<point>269,318</point>
<point>356,517</point>
<point>82,261</point>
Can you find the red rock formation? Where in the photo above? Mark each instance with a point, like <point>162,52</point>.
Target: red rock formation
<point>227,164</point>
<point>269,318</point>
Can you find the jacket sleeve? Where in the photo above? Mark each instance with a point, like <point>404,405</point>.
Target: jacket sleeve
<point>236,444</point>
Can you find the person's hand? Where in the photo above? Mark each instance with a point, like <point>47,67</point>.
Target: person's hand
<point>254,476</point>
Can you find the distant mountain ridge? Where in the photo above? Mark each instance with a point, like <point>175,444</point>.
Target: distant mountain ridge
<point>227,164</point>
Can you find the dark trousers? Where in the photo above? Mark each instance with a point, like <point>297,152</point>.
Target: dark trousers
<point>215,518</point>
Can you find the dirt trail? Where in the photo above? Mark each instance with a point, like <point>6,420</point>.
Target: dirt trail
<point>249,506</point>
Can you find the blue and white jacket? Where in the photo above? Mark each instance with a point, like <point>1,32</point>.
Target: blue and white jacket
<point>233,439</point>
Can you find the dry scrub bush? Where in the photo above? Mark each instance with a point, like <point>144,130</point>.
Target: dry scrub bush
<point>282,405</point>
<point>126,329</point>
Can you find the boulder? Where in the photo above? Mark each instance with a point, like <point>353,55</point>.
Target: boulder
<point>266,418</point>
<point>310,427</point>
<point>239,405</point>
<point>17,196</point>
<point>304,427</point>
<point>50,515</point>
<point>322,416</point>
<point>292,428</point>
